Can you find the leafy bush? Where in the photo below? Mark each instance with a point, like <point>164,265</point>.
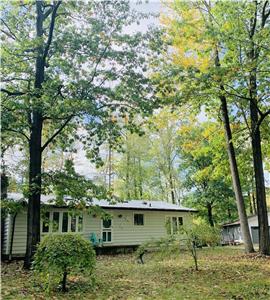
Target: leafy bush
<point>59,255</point>
<point>203,234</point>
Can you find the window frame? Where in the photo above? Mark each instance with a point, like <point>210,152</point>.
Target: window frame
<point>135,213</point>
<point>60,225</point>
<point>103,229</point>
<point>170,217</point>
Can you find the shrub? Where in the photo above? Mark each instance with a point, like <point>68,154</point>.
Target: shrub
<point>59,255</point>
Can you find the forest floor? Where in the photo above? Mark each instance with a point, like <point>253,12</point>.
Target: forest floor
<point>224,273</point>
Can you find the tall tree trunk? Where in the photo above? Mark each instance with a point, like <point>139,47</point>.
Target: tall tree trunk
<point>140,178</point>
<point>253,54</point>
<point>12,236</point>
<point>235,178</point>
<point>264,238</point>
<point>254,203</point>
<point>250,203</point>
<point>128,176</point>
<point>234,168</point>
<point>33,213</point>
<point>210,214</point>
<point>171,185</point>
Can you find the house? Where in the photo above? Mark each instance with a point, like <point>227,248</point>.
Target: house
<point>231,232</point>
<point>130,224</point>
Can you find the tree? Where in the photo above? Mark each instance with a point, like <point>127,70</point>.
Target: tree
<point>248,52</point>
<point>148,166</point>
<point>70,69</point>
<point>198,77</point>
<point>204,171</point>
<point>60,255</point>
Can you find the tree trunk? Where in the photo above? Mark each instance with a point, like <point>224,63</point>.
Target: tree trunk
<point>12,236</point>
<point>236,179</point>
<point>250,203</point>
<point>264,239</point>
<point>254,203</point>
<point>64,282</point>
<point>253,55</point>
<point>128,176</point>
<point>172,189</point>
<point>210,214</point>
<point>33,214</point>
<point>234,168</point>
<point>140,179</point>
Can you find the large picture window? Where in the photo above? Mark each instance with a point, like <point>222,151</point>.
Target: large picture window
<point>57,221</point>
<point>173,224</point>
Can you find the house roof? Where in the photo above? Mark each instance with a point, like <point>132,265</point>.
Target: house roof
<point>238,221</point>
<point>131,204</point>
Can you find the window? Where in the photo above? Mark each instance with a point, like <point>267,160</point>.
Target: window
<point>106,230</point>
<point>73,224</point>
<point>61,222</point>
<point>45,223</point>
<point>138,219</point>
<point>65,222</point>
<point>173,224</point>
<point>55,225</point>
<point>80,224</point>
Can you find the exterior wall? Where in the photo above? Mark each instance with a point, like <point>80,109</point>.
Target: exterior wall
<point>229,232</point>
<point>19,241</point>
<point>124,232</point>
<point>6,239</point>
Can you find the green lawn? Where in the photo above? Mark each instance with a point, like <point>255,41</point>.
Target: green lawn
<point>225,273</point>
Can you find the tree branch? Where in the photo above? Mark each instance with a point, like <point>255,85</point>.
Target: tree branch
<point>11,34</point>
<point>16,93</point>
<point>16,131</point>
<point>265,14</point>
<point>263,116</point>
<point>56,132</point>
<point>49,41</point>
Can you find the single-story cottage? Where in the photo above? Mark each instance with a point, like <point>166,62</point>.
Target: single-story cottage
<point>130,224</point>
<point>231,232</point>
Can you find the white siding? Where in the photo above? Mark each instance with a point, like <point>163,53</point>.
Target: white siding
<point>6,239</point>
<point>19,241</point>
<point>124,232</point>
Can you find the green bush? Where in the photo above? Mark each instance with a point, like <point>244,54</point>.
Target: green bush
<point>59,255</point>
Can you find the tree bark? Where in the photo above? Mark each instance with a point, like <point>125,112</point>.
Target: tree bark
<point>254,203</point>
<point>64,282</point>
<point>12,236</point>
<point>253,54</point>
<point>236,178</point>
<point>264,238</point>
<point>36,124</point>
<point>250,203</point>
<point>140,178</point>
<point>210,214</point>
<point>35,150</point>
<point>128,176</point>
<point>234,168</point>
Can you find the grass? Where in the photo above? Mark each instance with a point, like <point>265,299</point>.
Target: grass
<point>225,273</point>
